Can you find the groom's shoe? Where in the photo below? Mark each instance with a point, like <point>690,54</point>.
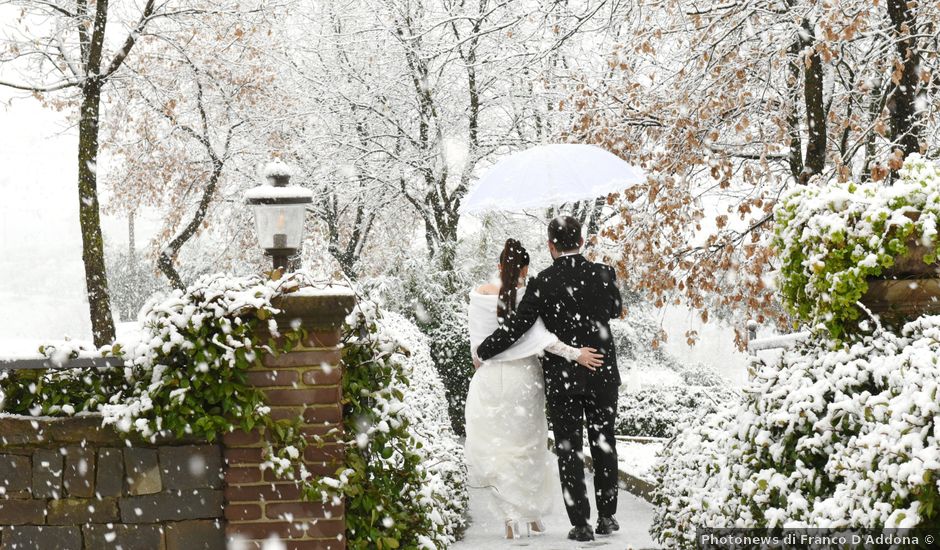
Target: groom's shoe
<point>606,525</point>
<point>582,533</point>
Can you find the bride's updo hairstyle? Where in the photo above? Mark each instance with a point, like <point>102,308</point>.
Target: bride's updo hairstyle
<point>511,262</point>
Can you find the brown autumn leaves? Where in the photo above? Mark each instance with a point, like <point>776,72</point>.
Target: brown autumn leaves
<point>727,104</point>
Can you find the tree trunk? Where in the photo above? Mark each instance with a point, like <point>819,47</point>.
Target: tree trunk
<point>874,111</point>
<point>593,227</point>
<point>795,157</point>
<point>902,104</point>
<point>131,242</point>
<point>815,109</point>
<point>170,251</point>
<point>447,254</point>
<point>96,280</point>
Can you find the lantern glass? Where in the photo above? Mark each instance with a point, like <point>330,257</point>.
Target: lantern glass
<point>279,226</point>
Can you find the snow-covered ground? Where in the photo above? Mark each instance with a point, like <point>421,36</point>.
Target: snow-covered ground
<point>638,457</point>
<point>634,514</point>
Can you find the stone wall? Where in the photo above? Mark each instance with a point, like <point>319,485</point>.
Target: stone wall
<point>70,484</point>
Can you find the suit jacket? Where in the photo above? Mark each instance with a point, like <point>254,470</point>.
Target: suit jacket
<point>576,300</point>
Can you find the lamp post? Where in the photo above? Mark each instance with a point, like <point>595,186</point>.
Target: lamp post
<point>279,210</point>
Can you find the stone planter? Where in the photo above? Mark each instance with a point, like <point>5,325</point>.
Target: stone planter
<point>911,265</point>
<point>897,301</point>
<point>908,289</point>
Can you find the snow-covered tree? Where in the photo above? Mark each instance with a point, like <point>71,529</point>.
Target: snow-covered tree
<point>190,127</point>
<point>58,52</point>
<point>167,83</point>
<point>728,103</point>
<point>416,96</point>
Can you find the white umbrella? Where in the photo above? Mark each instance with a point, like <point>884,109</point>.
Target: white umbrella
<point>549,175</point>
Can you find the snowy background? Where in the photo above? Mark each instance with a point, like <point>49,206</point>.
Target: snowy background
<point>41,273</point>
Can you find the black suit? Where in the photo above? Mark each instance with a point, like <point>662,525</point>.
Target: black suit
<point>576,300</point>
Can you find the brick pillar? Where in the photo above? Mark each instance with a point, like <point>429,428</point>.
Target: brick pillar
<point>305,383</point>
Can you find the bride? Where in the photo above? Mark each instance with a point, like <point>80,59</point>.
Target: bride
<point>507,434</point>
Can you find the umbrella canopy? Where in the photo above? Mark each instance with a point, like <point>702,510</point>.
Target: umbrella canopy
<point>549,175</point>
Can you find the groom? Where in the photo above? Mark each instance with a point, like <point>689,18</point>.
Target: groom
<point>576,300</point>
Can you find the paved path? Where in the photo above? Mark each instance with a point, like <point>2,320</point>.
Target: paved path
<point>486,531</point>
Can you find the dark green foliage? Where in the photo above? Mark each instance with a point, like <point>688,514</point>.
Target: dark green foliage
<point>660,411</point>
<point>450,347</point>
<point>437,304</point>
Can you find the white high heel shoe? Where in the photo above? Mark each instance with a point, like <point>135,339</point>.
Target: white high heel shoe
<point>512,530</point>
<point>535,527</point>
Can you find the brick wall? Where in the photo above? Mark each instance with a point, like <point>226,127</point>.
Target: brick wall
<point>71,484</point>
<point>304,384</point>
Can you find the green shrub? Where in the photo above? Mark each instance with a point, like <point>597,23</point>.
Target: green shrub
<point>678,394</point>
<point>660,411</point>
<point>418,290</point>
<point>449,338</point>
<point>396,497</point>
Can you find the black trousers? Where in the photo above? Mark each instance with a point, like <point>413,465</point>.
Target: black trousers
<point>568,414</point>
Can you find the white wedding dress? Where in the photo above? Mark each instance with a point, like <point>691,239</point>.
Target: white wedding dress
<point>507,434</point>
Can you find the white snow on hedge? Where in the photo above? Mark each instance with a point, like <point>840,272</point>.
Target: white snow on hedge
<point>430,424</point>
<point>829,436</point>
<point>660,393</point>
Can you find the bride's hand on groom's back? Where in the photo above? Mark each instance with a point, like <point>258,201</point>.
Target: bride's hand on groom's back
<point>590,359</point>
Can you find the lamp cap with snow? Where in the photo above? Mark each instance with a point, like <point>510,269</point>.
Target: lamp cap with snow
<point>279,210</point>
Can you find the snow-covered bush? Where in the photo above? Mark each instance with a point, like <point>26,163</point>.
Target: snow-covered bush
<point>676,393</point>
<point>690,477</point>
<point>831,436</point>
<point>442,453</point>
<point>449,338</point>
<point>184,373</point>
<point>404,483</point>
<point>662,410</point>
<point>420,291</point>
<point>832,238</point>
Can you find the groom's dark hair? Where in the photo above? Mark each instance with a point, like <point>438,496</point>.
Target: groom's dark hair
<point>565,233</point>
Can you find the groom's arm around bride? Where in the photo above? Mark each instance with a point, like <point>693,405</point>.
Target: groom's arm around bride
<point>576,300</point>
